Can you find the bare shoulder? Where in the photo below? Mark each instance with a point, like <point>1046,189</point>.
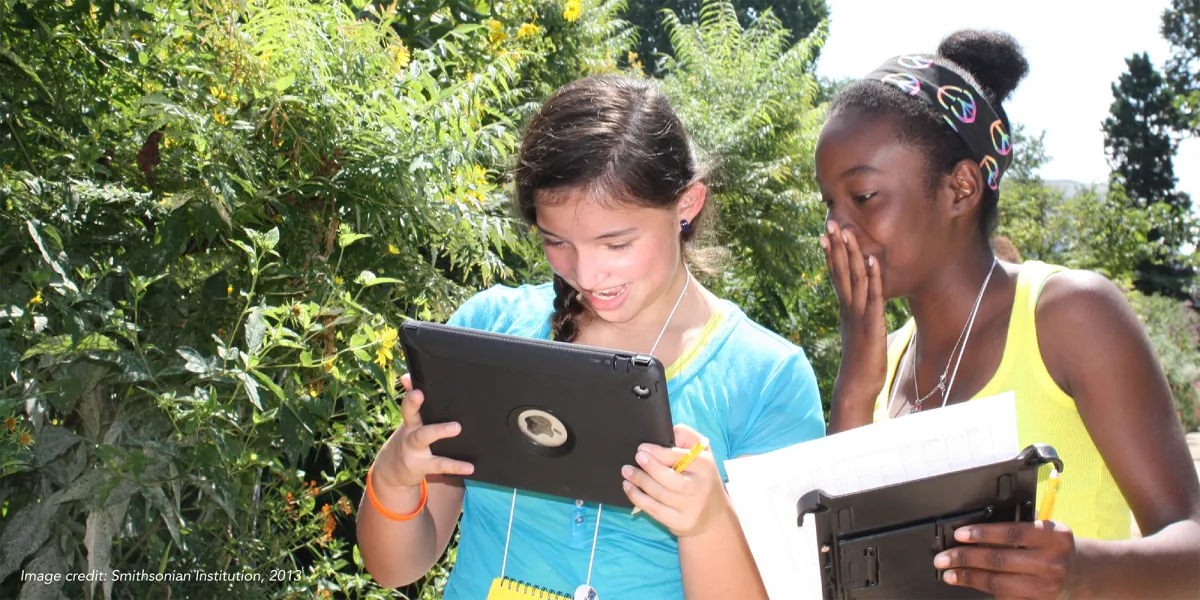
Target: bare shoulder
<point>1084,325</point>
<point>1075,298</point>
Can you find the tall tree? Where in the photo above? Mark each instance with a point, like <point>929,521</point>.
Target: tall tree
<point>1181,27</point>
<point>1141,139</point>
<point>799,17</point>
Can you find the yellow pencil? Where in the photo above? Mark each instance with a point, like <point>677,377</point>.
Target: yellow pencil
<point>1048,502</point>
<point>687,459</point>
<point>680,465</point>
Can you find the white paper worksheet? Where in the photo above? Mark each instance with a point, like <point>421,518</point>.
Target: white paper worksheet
<point>766,487</point>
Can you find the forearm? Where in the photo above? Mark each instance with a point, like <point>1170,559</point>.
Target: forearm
<point>717,564</point>
<point>850,408</point>
<point>1162,566</point>
<point>397,553</point>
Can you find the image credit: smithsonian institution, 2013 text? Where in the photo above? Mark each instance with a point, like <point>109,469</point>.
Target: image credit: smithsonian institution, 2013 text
<point>193,575</point>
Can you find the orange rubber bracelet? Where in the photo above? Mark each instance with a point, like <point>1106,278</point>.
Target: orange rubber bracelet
<point>389,514</point>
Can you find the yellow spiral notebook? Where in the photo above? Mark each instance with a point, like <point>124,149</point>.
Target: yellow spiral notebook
<point>504,588</point>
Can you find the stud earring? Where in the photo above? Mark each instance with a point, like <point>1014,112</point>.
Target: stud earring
<point>684,226</point>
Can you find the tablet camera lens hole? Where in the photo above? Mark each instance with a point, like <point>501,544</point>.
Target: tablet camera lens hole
<point>641,391</point>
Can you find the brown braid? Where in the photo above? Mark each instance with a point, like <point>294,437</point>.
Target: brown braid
<point>567,308</point>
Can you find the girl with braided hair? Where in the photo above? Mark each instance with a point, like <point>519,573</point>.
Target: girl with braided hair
<point>608,176</point>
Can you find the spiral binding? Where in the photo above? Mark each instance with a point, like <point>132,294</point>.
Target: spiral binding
<point>521,589</point>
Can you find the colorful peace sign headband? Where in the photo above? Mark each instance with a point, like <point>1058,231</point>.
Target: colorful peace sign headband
<point>961,105</point>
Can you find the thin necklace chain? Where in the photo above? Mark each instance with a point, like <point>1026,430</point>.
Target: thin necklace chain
<point>963,337</point>
<point>686,282</point>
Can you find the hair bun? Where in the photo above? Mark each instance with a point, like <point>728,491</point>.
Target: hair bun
<point>993,58</point>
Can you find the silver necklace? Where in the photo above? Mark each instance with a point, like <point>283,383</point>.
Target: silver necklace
<point>686,282</point>
<point>942,384</point>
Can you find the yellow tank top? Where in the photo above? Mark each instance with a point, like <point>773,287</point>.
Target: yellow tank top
<point>1088,501</point>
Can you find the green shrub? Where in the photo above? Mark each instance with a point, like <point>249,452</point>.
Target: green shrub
<point>215,215</point>
<point>1174,330</point>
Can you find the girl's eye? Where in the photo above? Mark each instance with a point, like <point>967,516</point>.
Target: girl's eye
<point>619,247</point>
<point>864,197</point>
<point>553,243</point>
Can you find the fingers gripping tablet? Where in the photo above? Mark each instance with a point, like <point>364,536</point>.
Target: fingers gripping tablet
<point>538,415</point>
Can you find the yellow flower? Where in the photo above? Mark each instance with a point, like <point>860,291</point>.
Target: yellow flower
<point>387,341</point>
<point>25,439</point>
<point>10,424</point>
<point>527,30</point>
<point>229,291</point>
<point>634,63</point>
<point>338,280</point>
<point>400,57</point>
<point>219,118</point>
<point>392,249</point>
<point>573,10</point>
<point>37,298</point>
<point>496,32</point>
<point>329,365</point>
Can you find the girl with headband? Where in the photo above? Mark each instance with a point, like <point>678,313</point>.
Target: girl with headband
<point>607,174</point>
<point>910,165</point>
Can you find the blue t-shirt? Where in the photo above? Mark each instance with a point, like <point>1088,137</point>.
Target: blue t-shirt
<point>747,389</point>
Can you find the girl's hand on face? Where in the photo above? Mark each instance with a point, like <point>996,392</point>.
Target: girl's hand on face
<point>405,458</point>
<point>858,282</point>
<point>1033,561</point>
<point>687,503</point>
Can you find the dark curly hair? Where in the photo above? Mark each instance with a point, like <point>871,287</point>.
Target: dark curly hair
<point>610,134</point>
<point>991,61</point>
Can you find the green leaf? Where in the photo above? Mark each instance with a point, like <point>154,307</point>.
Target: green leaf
<point>48,560</point>
<point>57,346</point>
<point>380,281</point>
<point>52,441</point>
<point>271,239</point>
<point>26,531</point>
<point>251,389</point>
<point>102,526</point>
<point>97,341</point>
<point>346,236</point>
<point>195,362</point>
<point>37,239</point>
<point>284,82</point>
<point>256,328</point>
<point>143,58</point>
<point>170,516</point>
<point>84,486</point>
<point>306,358</point>
<point>275,389</point>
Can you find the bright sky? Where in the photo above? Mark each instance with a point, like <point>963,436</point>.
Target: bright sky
<point>1076,50</point>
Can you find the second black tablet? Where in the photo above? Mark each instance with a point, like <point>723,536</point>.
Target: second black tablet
<point>542,416</point>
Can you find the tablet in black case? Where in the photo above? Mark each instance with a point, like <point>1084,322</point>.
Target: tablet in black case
<point>879,544</point>
<point>537,415</point>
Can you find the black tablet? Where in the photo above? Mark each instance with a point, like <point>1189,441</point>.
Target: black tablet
<point>538,415</point>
